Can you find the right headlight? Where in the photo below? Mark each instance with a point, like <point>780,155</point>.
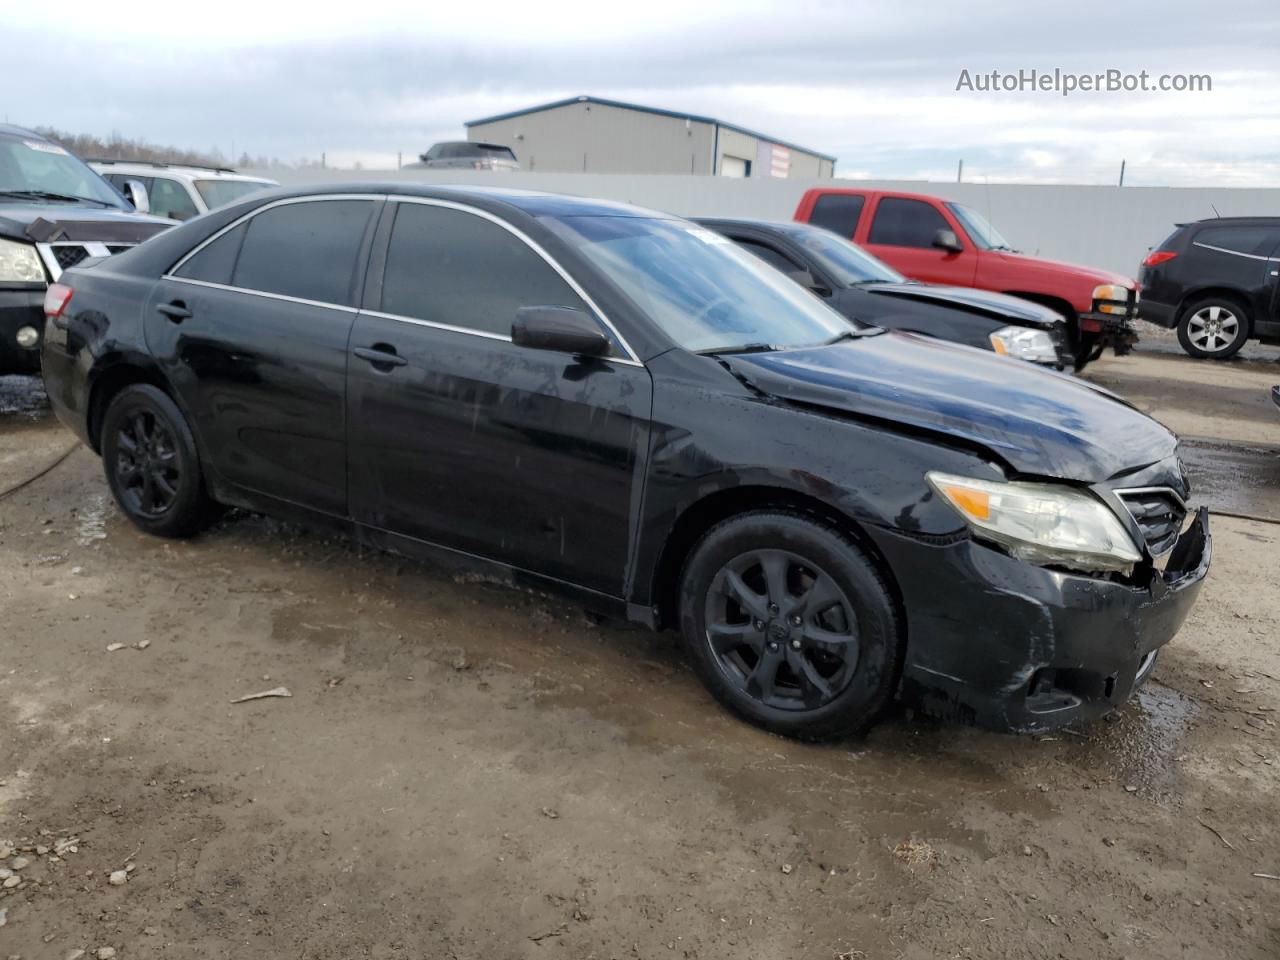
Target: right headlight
<point>1025,344</point>
<point>1042,523</point>
<point>19,263</point>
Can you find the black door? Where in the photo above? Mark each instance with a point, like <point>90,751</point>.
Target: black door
<point>252,331</point>
<point>462,439</point>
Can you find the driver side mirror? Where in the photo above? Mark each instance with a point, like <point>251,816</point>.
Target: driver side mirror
<point>136,194</point>
<point>562,329</point>
<point>947,240</point>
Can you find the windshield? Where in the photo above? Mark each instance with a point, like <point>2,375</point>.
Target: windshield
<point>704,292</point>
<point>979,229</point>
<point>39,167</point>
<point>218,193</point>
<point>846,262</point>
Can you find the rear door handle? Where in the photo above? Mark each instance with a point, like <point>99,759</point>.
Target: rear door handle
<point>380,355</point>
<point>176,311</point>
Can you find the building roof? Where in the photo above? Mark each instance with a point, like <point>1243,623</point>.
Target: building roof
<point>643,109</point>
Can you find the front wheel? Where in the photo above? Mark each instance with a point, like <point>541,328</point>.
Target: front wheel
<point>791,625</point>
<point>151,464</point>
<point>1213,328</point>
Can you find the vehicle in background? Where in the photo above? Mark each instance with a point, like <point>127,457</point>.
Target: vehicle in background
<point>588,397</point>
<point>178,191</point>
<point>467,155</point>
<point>1218,282</point>
<point>939,241</point>
<point>54,213</point>
<point>870,292</point>
<point>1275,395</point>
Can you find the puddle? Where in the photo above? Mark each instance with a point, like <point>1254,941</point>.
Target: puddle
<point>1143,745</point>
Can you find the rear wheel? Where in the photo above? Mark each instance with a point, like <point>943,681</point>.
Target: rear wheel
<point>151,464</point>
<point>790,625</point>
<point>1214,328</point>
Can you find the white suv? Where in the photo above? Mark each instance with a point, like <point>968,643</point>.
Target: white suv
<point>180,192</point>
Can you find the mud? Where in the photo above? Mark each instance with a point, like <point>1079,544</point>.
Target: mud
<point>468,771</point>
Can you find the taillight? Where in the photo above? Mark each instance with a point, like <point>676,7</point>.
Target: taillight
<point>1157,257</point>
<point>56,299</point>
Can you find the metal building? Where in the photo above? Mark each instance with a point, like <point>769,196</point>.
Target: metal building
<point>588,134</point>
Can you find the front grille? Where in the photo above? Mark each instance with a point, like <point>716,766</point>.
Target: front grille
<point>69,254</point>
<point>1159,513</point>
<point>119,247</point>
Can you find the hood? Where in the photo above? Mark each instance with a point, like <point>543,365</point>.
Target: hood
<point>1094,274</point>
<point>42,222</point>
<point>997,306</point>
<point>1039,422</point>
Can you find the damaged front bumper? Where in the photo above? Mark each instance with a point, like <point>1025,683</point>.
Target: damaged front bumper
<point>1017,647</point>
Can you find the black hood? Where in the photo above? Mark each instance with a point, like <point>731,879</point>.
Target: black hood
<point>48,222</point>
<point>1038,422</point>
<point>997,306</point>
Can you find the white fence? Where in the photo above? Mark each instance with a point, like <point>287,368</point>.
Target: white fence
<point>1111,227</point>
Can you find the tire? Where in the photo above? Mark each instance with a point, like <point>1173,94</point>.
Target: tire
<point>1214,328</point>
<point>790,625</point>
<point>1088,348</point>
<point>152,466</point>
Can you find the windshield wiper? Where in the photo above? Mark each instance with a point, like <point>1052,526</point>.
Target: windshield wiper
<point>47,195</point>
<point>744,348</point>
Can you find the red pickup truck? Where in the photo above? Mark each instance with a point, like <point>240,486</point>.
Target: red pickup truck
<point>939,241</point>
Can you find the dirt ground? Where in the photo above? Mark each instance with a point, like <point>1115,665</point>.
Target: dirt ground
<point>464,771</point>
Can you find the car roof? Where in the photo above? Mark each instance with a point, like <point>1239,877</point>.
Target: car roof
<point>189,171</point>
<point>1234,221</point>
<point>532,202</point>
<point>9,129</point>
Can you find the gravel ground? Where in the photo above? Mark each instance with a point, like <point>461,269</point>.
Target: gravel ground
<point>464,771</point>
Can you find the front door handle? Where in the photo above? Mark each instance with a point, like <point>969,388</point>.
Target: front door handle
<point>381,355</point>
<point>176,310</point>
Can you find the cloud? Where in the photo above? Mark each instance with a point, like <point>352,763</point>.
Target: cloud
<point>873,83</point>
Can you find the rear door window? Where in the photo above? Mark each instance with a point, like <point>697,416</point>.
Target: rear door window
<point>216,262</point>
<point>838,212</point>
<point>458,269</point>
<point>1254,241</point>
<point>305,250</point>
<point>903,222</point>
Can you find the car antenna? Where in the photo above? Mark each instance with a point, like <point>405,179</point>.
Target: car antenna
<point>1215,211</point>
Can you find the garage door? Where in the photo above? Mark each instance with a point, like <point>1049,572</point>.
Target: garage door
<point>733,166</point>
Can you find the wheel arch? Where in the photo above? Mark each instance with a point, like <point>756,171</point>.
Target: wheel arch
<point>1237,296</point>
<point>703,514</point>
<point>110,380</point>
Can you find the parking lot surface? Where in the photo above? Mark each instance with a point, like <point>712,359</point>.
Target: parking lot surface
<point>467,771</point>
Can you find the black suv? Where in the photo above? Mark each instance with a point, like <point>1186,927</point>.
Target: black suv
<point>54,213</point>
<point>1216,281</point>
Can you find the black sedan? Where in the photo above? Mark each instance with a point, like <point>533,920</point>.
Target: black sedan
<point>869,291</point>
<point>623,406</point>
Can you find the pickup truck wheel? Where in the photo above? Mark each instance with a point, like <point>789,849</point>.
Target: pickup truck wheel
<point>1214,328</point>
<point>151,463</point>
<point>790,625</point>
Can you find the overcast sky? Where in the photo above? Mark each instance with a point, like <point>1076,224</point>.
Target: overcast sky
<point>873,83</point>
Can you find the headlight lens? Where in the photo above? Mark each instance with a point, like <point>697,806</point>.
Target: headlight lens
<point>1025,344</point>
<point>1111,298</point>
<point>1042,523</point>
<point>19,263</point>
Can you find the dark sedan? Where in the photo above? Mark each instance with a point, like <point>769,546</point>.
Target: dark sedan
<point>869,291</point>
<point>592,398</point>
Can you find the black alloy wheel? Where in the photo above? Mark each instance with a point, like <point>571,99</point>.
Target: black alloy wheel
<point>781,630</point>
<point>791,624</point>
<point>151,463</point>
<point>148,472</point>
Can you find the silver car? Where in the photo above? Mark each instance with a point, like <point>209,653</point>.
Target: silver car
<point>467,155</point>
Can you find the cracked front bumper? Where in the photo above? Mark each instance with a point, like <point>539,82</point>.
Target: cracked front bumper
<point>1012,646</point>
